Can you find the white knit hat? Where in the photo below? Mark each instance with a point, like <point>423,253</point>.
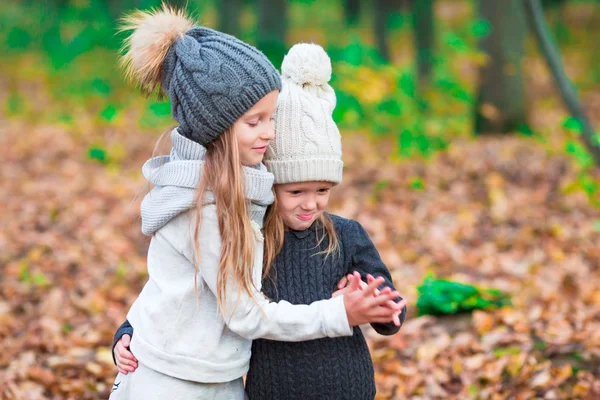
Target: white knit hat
<point>307,144</point>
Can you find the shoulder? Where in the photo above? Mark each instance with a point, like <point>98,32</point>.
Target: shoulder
<point>344,226</point>
<point>179,231</point>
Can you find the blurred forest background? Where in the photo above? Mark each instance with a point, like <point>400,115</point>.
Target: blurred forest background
<point>471,142</point>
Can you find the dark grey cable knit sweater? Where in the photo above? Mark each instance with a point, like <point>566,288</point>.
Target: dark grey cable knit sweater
<point>331,368</point>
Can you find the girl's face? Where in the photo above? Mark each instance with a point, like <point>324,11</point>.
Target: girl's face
<point>254,130</point>
<point>300,204</point>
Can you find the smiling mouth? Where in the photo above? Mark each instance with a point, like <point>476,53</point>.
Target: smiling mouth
<point>260,149</point>
<point>305,217</point>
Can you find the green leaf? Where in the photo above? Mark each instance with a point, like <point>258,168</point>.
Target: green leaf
<point>18,38</point>
<point>506,351</point>
<point>160,109</point>
<point>472,389</point>
<point>109,113</point>
<point>440,296</point>
<point>405,140</point>
<point>525,130</point>
<point>540,345</point>
<point>98,154</point>
<point>573,124</point>
<point>39,279</point>
<point>101,86</point>
<point>417,184</point>
<point>589,186</point>
<point>15,104</point>
<point>455,42</point>
<point>24,275</point>
<point>406,83</point>
<point>481,28</point>
<point>582,156</point>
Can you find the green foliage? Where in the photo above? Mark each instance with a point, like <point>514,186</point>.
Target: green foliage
<point>97,154</point>
<point>585,182</point>
<point>572,124</point>
<point>440,296</point>
<point>37,278</point>
<point>417,184</point>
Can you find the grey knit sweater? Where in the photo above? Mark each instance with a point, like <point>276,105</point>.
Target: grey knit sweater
<point>339,368</point>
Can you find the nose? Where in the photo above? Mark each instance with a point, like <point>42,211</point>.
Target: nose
<point>269,132</point>
<point>309,203</point>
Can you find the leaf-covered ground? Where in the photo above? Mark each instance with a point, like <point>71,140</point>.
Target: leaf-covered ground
<point>489,211</point>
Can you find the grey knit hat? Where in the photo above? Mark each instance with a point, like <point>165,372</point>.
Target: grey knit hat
<point>307,144</point>
<point>211,78</point>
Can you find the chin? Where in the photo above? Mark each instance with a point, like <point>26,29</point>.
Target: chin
<point>253,161</point>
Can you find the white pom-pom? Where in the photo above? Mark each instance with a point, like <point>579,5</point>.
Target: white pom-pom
<point>153,34</point>
<point>307,63</point>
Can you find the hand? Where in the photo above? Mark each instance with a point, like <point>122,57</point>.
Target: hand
<point>396,316</point>
<point>363,306</point>
<point>349,283</point>
<point>126,361</point>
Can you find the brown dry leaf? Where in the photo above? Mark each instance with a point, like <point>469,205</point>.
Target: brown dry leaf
<point>430,349</point>
<point>483,321</point>
<point>491,213</point>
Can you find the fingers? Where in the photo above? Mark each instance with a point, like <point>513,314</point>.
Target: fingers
<point>126,340</point>
<point>342,283</point>
<point>396,319</point>
<point>372,286</point>
<point>371,278</point>
<point>356,279</point>
<point>126,361</point>
<point>402,303</point>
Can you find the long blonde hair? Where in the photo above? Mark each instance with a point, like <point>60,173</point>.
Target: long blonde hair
<point>223,174</point>
<point>274,232</point>
<point>145,49</point>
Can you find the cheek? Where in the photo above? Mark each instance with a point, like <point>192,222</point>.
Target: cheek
<point>323,202</point>
<point>287,205</point>
<point>244,136</point>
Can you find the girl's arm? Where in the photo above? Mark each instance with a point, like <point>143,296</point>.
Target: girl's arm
<point>124,329</point>
<point>122,356</point>
<point>365,259</point>
<point>260,318</point>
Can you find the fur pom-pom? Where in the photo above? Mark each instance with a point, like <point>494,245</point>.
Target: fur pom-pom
<point>307,63</point>
<point>146,47</point>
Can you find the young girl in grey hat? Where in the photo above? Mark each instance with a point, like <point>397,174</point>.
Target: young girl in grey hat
<point>202,305</point>
<point>307,251</point>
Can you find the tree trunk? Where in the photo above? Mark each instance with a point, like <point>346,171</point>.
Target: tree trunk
<point>272,28</point>
<point>380,27</point>
<point>424,36</point>
<point>229,16</point>
<point>500,106</point>
<point>351,11</point>
<point>551,54</point>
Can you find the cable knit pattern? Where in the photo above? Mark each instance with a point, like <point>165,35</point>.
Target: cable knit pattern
<point>212,79</point>
<point>307,145</point>
<point>327,369</point>
<point>176,178</point>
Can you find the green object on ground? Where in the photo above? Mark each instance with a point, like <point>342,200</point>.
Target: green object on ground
<point>441,296</point>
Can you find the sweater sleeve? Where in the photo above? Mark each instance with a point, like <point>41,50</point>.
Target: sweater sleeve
<point>124,329</point>
<point>258,317</point>
<point>365,260</point>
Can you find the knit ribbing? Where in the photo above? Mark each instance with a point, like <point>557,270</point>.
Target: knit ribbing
<point>177,176</point>
<point>307,144</point>
<point>339,368</point>
<point>212,79</point>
